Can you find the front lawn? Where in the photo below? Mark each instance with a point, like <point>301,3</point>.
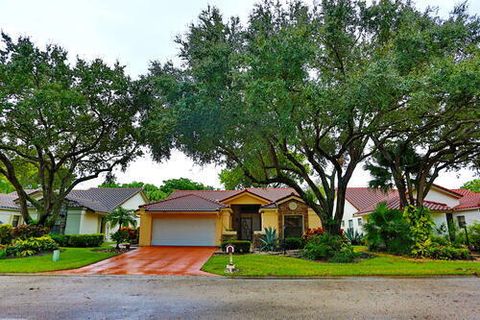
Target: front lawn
<point>257,265</point>
<point>70,258</point>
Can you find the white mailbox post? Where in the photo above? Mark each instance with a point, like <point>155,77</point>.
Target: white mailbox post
<point>230,249</point>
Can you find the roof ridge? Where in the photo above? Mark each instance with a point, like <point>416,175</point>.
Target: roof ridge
<point>181,196</point>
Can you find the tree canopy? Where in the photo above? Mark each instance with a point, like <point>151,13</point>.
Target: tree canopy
<point>155,193</point>
<point>472,185</point>
<point>300,95</point>
<point>436,64</point>
<point>71,122</point>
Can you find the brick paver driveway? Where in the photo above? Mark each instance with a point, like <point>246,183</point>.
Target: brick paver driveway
<point>152,261</point>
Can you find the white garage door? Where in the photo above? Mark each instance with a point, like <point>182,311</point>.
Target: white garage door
<point>183,232</point>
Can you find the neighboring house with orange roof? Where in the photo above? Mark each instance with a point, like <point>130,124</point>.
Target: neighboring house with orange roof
<point>447,205</point>
<point>84,211</point>
<point>206,217</point>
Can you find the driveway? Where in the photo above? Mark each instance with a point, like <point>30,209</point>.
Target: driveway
<point>152,261</point>
<point>152,297</point>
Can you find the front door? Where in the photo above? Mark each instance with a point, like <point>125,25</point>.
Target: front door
<point>246,228</point>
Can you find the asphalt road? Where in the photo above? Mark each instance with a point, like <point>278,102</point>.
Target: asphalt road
<point>145,297</point>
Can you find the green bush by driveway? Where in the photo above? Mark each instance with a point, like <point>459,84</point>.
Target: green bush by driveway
<point>79,240</point>
<point>256,265</point>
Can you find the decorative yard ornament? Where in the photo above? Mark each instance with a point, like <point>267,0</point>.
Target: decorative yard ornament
<point>230,268</point>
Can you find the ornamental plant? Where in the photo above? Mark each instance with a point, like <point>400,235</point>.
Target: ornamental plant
<point>5,234</point>
<point>421,226</point>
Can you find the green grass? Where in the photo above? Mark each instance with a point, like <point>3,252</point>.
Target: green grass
<point>70,258</point>
<point>256,265</point>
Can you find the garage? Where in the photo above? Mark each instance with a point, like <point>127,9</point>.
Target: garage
<point>175,231</point>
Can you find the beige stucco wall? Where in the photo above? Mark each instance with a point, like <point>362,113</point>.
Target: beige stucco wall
<point>313,219</point>
<point>89,223</point>
<point>269,218</point>
<point>145,228</point>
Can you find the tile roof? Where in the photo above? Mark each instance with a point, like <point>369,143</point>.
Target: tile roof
<point>185,203</point>
<point>358,197</point>
<point>271,194</point>
<point>102,199</point>
<point>470,200</point>
<point>362,198</point>
<point>218,196</point>
<point>7,201</point>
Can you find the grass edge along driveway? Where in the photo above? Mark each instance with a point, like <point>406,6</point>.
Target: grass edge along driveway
<point>70,258</point>
<point>259,265</point>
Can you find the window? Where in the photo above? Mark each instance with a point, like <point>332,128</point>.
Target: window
<point>350,224</point>
<point>461,221</point>
<point>343,223</point>
<point>360,222</point>
<point>15,221</point>
<point>293,226</point>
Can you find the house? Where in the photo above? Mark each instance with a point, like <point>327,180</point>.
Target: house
<point>206,217</point>
<point>84,212</point>
<point>447,205</point>
<point>9,209</point>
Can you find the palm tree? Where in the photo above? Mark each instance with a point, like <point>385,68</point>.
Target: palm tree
<point>121,217</point>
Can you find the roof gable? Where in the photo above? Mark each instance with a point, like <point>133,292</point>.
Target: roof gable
<point>246,197</point>
<point>270,194</point>
<point>102,199</point>
<point>184,203</point>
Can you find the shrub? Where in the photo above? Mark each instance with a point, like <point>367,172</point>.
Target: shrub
<point>354,237</point>
<point>26,231</point>
<point>78,240</point>
<point>132,234</point>
<point>326,246</point>
<point>345,255</point>
<point>120,236</point>
<point>313,232</point>
<point>474,235</point>
<point>447,252</point>
<point>269,241</point>
<point>387,230</point>
<point>241,246</point>
<point>293,243</point>
<point>3,251</point>
<point>421,226</point>
<point>31,246</point>
<point>5,234</point>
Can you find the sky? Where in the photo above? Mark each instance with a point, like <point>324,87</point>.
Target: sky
<point>136,32</point>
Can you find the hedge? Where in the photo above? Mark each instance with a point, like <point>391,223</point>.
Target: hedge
<point>31,246</point>
<point>78,240</point>
<point>241,246</point>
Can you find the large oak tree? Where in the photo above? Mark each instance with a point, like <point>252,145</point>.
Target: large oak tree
<point>70,121</point>
<point>438,126</point>
<point>298,95</point>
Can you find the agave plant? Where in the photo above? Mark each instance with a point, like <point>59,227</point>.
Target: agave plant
<point>354,237</point>
<point>269,240</point>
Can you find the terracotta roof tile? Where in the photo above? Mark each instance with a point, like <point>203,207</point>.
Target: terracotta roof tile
<point>362,198</point>
<point>184,203</point>
<point>271,194</point>
<point>470,200</point>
